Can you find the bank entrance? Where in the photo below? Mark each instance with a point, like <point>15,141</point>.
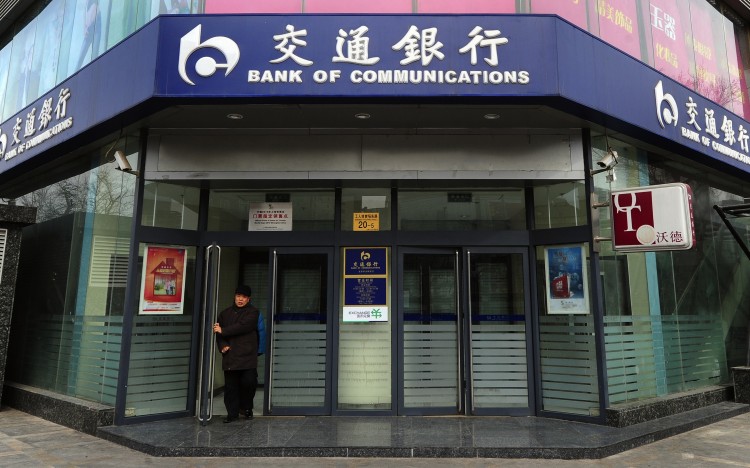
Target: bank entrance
<point>456,339</point>
<point>464,325</point>
<point>432,312</point>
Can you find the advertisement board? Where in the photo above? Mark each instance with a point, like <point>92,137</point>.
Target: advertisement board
<point>565,276</point>
<point>653,218</point>
<point>163,280</point>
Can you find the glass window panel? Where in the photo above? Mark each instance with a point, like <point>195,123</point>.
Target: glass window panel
<point>229,210</point>
<point>376,200</point>
<point>86,41</point>
<point>64,68</point>
<point>462,210</point>
<point>160,353</point>
<point>567,348</point>
<point>358,6</point>
<point>658,303</point>
<point>147,10</point>
<point>69,341</point>
<point>122,20</point>
<point>4,69</point>
<point>560,205</point>
<point>170,205</point>
<point>253,6</point>
<point>21,75</point>
<point>174,7</point>
<point>46,60</point>
<point>464,6</point>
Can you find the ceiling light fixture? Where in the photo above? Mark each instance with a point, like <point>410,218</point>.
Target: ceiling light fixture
<point>491,116</point>
<point>362,116</point>
<point>235,116</point>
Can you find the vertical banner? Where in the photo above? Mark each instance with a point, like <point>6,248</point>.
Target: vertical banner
<point>365,284</point>
<point>575,11</point>
<point>565,278</point>
<point>163,280</point>
<point>670,26</point>
<point>708,81</point>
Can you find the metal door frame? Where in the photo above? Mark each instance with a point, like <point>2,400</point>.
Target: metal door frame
<point>464,404</point>
<point>273,253</point>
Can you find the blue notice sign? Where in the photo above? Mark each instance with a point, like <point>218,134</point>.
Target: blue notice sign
<point>364,291</point>
<point>366,262</point>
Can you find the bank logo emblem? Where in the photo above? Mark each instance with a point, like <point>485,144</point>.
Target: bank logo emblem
<point>207,66</point>
<point>3,143</point>
<point>666,107</point>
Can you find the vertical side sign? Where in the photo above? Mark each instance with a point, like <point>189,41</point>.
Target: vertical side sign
<point>365,284</point>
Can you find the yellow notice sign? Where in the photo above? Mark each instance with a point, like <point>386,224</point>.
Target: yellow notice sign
<point>367,221</point>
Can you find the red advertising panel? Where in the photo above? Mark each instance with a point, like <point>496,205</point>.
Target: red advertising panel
<point>618,25</point>
<point>708,78</point>
<point>670,32</point>
<point>163,280</point>
<point>741,101</point>
<point>358,6</point>
<point>465,6</point>
<point>574,11</point>
<point>735,78</point>
<point>253,6</point>
<point>653,218</point>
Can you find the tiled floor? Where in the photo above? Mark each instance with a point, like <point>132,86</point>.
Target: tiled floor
<point>28,441</point>
<point>444,437</point>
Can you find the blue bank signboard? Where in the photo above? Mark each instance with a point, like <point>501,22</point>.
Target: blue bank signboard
<point>505,58</point>
<point>335,55</point>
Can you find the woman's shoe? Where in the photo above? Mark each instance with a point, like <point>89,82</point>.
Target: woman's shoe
<point>249,414</point>
<point>229,419</point>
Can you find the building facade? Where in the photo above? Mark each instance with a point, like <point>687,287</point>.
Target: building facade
<point>416,192</point>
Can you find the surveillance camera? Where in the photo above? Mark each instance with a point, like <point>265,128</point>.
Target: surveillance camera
<point>123,164</point>
<point>122,161</point>
<point>609,160</point>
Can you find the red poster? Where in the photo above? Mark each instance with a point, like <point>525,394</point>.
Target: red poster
<point>618,25</point>
<point>163,280</point>
<point>572,10</point>
<point>670,29</point>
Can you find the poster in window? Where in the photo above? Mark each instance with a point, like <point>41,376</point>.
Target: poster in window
<point>565,278</point>
<point>163,280</point>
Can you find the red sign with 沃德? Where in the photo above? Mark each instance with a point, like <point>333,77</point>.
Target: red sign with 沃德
<point>653,218</point>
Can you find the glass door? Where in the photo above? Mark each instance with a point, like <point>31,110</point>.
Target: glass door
<point>225,268</point>
<point>497,330</point>
<point>301,309</point>
<point>464,321</point>
<point>430,368</point>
